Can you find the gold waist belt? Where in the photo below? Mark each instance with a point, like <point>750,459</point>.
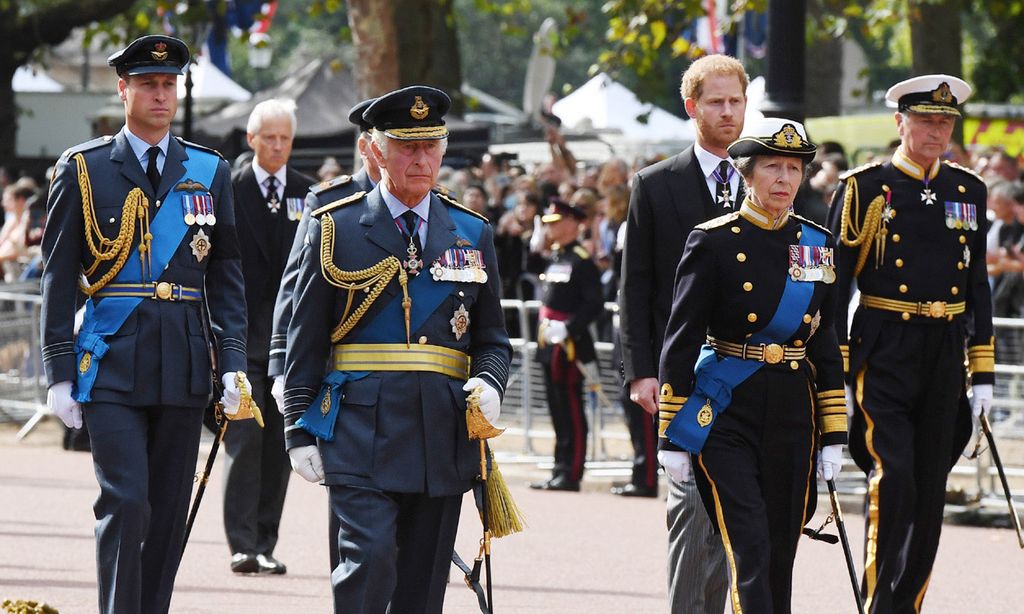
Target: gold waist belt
<point>930,309</point>
<point>770,353</point>
<point>400,357</point>
<point>161,291</point>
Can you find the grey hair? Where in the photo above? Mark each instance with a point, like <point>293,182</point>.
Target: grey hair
<point>274,107</point>
<point>381,140</point>
<point>745,166</point>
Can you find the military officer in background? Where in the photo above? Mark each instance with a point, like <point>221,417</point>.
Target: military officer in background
<point>269,196</point>
<point>147,218</point>
<point>911,233</point>
<point>572,300</point>
<point>321,194</point>
<point>399,290</point>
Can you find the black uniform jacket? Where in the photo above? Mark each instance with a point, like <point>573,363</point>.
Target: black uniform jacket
<point>319,195</point>
<point>159,356</point>
<point>728,286</point>
<point>398,431</point>
<point>914,253</point>
<point>668,199</point>
<point>572,286</point>
<point>265,238</point>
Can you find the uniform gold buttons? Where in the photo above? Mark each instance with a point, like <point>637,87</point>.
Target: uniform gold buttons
<point>903,288</point>
<point>905,316</point>
<point>736,230</point>
<point>423,340</point>
<point>896,238</point>
<point>748,286</point>
<point>751,317</point>
<point>807,318</point>
<point>955,290</point>
<point>961,188</point>
<point>798,343</point>
<point>741,257</point>
<point>794,365</point>
<point>963,239</point>
<point>960,266</point>
<point>899,263</point>
<point>799,234</point>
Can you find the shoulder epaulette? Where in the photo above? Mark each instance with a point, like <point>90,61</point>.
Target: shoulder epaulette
<point>441,189</point>
<point>804,220</point>
<point>719,221</point>
<point>451,201</point>
<point>964,169</point>
<point>859,169</point>
<point>341,202</point>
<point>581,251</point>
<point>185,143</point>
<point>331,183</point>
<point>88,145</point>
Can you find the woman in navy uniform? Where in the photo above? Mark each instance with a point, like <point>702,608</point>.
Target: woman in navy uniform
<point>148,219</point>
<point>752,316</point>
<point>572,301</point>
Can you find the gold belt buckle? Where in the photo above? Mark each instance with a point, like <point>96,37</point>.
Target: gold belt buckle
<point>937,309</point>
<point>773,353</point>
<point>164,291</point>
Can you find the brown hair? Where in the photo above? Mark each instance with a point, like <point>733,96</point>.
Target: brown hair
<point>692,84</point>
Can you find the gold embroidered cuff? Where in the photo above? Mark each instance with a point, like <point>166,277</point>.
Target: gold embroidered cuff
<point>845,351</point>
<point>832,423</point>
<point>665,417</point>
<point>982,358</point>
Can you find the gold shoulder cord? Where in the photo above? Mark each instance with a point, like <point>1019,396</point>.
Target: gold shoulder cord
<point>373,279</point>
<point>136,205</point>
<point>862,234</point>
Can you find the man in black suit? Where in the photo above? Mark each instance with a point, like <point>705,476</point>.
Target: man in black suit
<point>269,198</point>
<point>668,199</point>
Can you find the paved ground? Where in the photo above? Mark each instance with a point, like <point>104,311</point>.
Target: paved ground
<point>588,552</point>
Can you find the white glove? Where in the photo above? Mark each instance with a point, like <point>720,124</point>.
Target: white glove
<point>591,374</point>
<point>849,401</point>
<point>981,399</point>
<point>232,396</point>
<point>676,464</point>
<point>307,463</point>
<point>490,400</point>
<point>277,391</point>
<point>58,399</point>
<point>830,462</point>
<point>555,332</point>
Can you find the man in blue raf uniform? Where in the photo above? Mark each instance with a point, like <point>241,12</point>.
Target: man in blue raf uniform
<point>911,233</point>
<point>572,300</point>
<point>142,223</point>
<point>319,195</point>
<point>269,197</point>
<point>399,290</point>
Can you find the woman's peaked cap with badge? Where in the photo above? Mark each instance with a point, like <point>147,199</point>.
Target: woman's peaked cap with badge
<point>774,136</point>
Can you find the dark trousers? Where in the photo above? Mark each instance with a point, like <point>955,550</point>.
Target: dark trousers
<point>757,469</point>
<point>643,433</point>
<point>908,395</point>
<point>564,385</point>
<point>394,550</point>
<point>145,462</point>
<point>256,474</point>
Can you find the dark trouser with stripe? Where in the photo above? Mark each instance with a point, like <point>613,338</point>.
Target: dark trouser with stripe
<point>564,385</point>
<point>145,462</point>
<point>908,395</point>
<point>644,435</point>
<point>756,469</point>
<point>395,550</point>
<point>256,474</point>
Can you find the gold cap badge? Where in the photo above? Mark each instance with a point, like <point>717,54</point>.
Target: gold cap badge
<point>419,109</point>
<point>160,52</point>
<point>788,137</point>
<point>942,93</point>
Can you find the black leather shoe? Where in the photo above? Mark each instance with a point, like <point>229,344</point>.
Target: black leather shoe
<point>632,490</point>
<point>244,563</point>
<point>270,565</point>
<point>557,483</point>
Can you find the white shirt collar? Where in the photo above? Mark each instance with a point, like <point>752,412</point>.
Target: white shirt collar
<point>708,161</point>
<point>397,207</point>
<point>140,148</point>
<point>261,175</point>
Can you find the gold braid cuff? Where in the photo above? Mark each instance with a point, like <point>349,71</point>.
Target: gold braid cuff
<point>136,205</point>
<point>982,358</point>
<point>372,279</point>
<point>854,233</point>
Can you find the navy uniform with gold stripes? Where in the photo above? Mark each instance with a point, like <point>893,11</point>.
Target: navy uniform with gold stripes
<point>755,470</point>
<point>572,299</point>
<point>913,239</point>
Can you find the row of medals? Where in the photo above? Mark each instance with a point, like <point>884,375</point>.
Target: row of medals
<point>825,273</point>
<point>414,264</point>
<point>199,219</point>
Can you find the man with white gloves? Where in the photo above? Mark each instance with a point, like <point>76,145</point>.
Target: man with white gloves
<point>924,303</point>
<point>137,371</point>
<point>398,289</point>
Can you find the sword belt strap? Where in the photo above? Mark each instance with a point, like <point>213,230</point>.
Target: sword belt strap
<point>928,309</point>
<point>160,291</point>
<point>472,577</point>
<point>400,357</point>
<point>768,353</point>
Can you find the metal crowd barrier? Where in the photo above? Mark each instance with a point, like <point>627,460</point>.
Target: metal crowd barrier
<point>22,381</point>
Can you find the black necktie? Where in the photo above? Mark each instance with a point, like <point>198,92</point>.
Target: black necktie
<point>151,170</point>
<point>723,194</point>
<point>272,202</point>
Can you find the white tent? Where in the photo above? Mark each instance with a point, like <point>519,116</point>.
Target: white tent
<point>27,79</point>
<point>209,82</point>
<point>603,103</point>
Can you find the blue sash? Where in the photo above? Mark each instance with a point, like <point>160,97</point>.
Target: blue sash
<point>387,327</point>
<point>716,377</point>
<point>104,318</point>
